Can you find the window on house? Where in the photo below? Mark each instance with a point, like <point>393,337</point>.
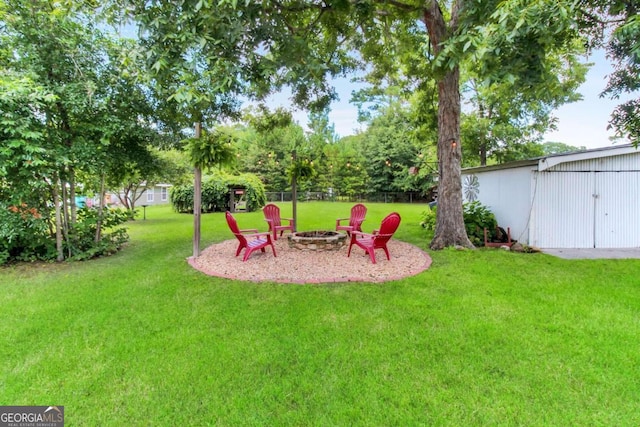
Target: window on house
<point>149,194</point>
<point>163,194</point>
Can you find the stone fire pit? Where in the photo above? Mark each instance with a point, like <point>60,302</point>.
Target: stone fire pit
<point>318,240</point>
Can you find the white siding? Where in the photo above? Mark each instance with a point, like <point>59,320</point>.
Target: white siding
<point>616,209</point>
<point>506,193</point>
<point>563,210</point>
<point>576,208</point>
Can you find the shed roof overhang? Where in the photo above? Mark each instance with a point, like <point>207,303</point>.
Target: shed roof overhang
<point>547,162</point>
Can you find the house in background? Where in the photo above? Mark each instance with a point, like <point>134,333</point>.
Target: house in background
<point>156,195</point>
<point>585,199</point>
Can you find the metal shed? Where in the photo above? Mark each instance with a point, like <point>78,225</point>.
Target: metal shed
<point>585,199</point>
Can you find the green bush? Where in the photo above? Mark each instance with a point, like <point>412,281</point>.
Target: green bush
<point>429,219</point>
<point>81,243</point>
<point>215,193</point>
<point>476,218</point>
<point>28,235</point>
<point>24,234</point>
<point>181,198</point>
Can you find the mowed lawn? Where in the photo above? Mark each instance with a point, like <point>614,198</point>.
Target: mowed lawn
<point>484,337</point>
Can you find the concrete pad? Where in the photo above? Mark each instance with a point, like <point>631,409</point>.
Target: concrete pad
<point>593,253</point>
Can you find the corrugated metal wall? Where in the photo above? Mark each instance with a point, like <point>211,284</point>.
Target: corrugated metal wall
<point>617,209</point>
<point>502,192</point>
<point>625,162</point>
<point>589,203</point>
<point>563,210</point>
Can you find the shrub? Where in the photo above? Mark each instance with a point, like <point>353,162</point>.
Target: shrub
<point>429,219</point>
<point>82,245</point>
<point>476,218</point>
<point>215,193</point>
<point>28,235</point>
<point>24,234</point>
<point>181,198</point>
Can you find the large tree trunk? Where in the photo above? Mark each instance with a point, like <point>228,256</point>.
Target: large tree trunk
<point>450,230</point>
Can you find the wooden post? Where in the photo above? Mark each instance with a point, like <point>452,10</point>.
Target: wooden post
<point>294,191</point>
<point>232,200</point>
<point>197,201</point>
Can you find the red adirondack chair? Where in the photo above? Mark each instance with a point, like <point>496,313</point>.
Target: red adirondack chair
<point>378,239</point>
<point>249,238</point>
<point>272,216</point>
<point>358,213</point>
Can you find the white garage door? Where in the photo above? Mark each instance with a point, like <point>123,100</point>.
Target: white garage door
<point>617,210</point>
<point>564,210</point>
<point>587,210</point>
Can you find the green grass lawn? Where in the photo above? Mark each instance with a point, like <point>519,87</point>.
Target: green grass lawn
<point>483,337</point>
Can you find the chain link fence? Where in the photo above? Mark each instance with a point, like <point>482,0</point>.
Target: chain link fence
<point>386,197</point>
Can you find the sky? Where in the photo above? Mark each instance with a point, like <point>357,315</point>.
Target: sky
<point>582,123</point>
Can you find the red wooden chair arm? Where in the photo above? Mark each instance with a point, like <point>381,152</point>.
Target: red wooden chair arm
<point>249,230</point>
<point>382,235</point>
<point>258,235</point>
<point>339,220</point>
<point>360,234</point>
<point>371,235</point>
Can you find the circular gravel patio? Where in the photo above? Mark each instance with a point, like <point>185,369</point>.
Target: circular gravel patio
<point>296,266</point>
